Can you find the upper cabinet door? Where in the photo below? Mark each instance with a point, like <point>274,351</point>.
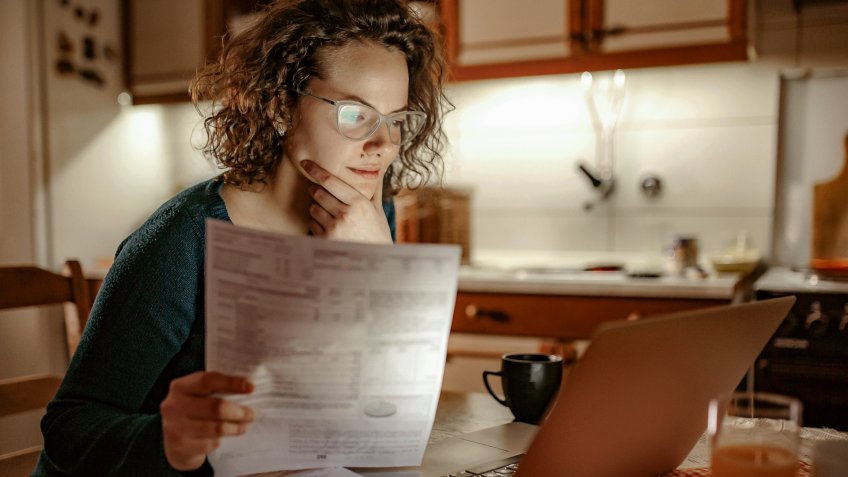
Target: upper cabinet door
<point>166,44</point>
<point>169,40</point>
<point>625,25</point>
<point>504,38</point>
<point>496,38</point>
<point>490,31</point>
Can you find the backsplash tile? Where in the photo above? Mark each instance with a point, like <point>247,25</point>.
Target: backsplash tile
<point>708,131</point>
<point>700,167</point>
<point>678,95</point>
<point>716,230</point>
<point>536,229</point>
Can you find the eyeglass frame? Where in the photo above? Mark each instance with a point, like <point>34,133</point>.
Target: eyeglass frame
<point>384,118</point>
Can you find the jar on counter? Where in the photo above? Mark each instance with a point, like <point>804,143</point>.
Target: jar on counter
<point>682,255</point>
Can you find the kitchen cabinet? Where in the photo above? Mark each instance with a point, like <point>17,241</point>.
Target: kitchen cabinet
<point>563,317</point>
<point>505,38</point>
<point>166,42</point>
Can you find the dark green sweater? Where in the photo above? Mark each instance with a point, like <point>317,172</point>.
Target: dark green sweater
<point>146,328</point>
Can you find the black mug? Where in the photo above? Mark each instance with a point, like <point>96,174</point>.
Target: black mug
<point>530,382</point>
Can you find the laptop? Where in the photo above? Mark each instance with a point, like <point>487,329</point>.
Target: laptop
<point>634,404</point>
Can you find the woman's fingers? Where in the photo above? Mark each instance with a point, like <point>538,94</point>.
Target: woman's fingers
<point>340,189</point>
<point>193,421</point>
<point>316,228</point>
<point>325,201</point>
<point>204,383</point>
<point>341,212</point>
<point>194,428</point>
<point>216,408</point>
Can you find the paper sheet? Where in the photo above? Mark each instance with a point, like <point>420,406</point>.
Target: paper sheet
<point>345,343</point>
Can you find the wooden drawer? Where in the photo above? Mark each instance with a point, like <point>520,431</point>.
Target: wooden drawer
<point>553,316</point>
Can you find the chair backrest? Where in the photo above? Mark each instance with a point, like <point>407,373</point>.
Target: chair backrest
<point>27,286</point>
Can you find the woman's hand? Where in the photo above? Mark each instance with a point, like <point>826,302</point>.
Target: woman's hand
<point>341,212</point>
<point>193,421</point>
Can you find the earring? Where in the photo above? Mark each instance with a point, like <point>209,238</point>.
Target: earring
<point>281,131</point>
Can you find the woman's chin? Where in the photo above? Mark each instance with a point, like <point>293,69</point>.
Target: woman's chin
<point>369,194</point>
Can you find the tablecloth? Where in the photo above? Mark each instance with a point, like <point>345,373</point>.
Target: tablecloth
<point>804,471</point>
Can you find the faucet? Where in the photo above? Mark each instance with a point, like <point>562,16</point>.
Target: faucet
<point>603,181</point>
<point>604,186</point>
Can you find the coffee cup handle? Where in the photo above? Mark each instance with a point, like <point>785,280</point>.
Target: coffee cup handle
<point>489,388</point>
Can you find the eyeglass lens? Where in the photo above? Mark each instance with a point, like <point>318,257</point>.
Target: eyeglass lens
<point>358,121</point>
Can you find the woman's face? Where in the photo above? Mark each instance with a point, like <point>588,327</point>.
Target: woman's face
<point>365,72</point>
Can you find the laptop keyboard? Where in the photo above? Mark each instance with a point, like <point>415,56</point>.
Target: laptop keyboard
<point>498,468</point>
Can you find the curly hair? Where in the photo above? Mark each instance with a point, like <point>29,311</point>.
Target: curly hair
<point>249,84</point>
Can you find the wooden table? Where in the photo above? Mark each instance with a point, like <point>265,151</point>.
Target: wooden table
<point>462,412</point>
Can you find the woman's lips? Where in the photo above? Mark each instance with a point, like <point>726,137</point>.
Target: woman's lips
<point>366,173</point>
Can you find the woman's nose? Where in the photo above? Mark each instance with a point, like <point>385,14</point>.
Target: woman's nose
<point>380,142</point>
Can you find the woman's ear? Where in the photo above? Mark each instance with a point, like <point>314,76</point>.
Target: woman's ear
<point>277,112</point>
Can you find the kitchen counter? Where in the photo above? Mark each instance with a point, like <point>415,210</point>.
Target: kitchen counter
<point>561,273</point>
<point>551,296</point>
<point>493,280</point>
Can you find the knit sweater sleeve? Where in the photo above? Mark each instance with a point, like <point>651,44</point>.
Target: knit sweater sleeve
<point>104,419</point>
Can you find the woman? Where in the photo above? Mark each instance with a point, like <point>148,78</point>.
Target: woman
<point>320,110</point>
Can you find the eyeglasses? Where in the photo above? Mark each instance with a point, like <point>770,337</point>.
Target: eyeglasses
<point>357,121</point>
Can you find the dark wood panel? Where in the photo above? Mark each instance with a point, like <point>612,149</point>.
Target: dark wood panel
<point>732,51</point>
<point>20,463</point>
<point>560,317</point>
<point>585,26</point>
<point>32,286</point>
<point>27,393</point>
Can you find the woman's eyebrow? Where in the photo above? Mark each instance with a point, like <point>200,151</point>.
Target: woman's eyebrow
<point>353,97</point>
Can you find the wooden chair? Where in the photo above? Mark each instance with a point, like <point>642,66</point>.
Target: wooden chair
<point>27,286</point>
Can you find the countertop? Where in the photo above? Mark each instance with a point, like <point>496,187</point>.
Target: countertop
<point>547,273</point>
<point>783,279</point>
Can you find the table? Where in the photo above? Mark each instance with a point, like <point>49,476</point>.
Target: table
<point>462,412</point>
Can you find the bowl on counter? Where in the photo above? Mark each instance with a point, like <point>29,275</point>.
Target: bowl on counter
<point>735,262</point>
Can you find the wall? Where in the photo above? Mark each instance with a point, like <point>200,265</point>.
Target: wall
<point>708,131</point>
<point>22,332</point>
<point>16,136</point>
<point>30,340</point>
<point>109,166</point>
<point>78,171</point>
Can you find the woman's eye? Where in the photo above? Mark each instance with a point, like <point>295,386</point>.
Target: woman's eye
<point>353,116</point>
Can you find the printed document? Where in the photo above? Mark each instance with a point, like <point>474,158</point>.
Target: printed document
<point>345,343</point>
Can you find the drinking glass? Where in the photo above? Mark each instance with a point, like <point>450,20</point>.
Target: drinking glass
<point>754,435</point>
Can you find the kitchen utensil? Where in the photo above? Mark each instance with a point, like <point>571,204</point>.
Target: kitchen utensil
<point>830,216</point>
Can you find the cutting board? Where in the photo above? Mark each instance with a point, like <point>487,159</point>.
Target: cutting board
<point>830,218</point>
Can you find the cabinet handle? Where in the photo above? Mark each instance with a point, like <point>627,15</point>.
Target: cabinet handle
<point>472,312</point>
